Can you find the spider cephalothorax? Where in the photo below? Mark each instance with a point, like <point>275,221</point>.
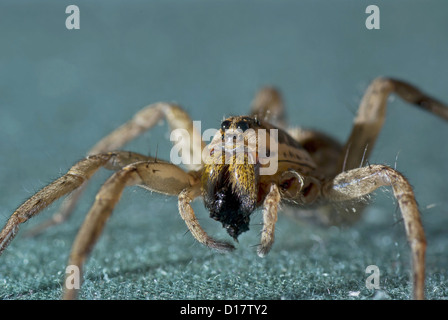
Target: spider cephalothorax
<point>252,162</point>
<point>231,173</point>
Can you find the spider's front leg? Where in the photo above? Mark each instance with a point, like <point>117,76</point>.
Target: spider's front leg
<point>186,212</point>
<point>270,213</point>
<point>356,183</point>
<point>164,178</point>
<point>73,179</point>
<point>142,121</point>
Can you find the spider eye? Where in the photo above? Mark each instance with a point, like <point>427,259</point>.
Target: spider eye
<point>225,125</point>
<point>242,125</point>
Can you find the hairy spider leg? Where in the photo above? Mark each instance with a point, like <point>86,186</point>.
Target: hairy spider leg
<point>163,178</point>
<point>142,121</point>
<point>75,177</point>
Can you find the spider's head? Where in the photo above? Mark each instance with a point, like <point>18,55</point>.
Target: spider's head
<point>230,176</point>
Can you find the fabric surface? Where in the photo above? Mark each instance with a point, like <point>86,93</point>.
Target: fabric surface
<point>62,90</point>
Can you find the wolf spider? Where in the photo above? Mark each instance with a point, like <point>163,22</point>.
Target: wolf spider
<point>313,171</point>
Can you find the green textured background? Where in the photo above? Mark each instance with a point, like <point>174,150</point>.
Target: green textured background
<point>61,91</point>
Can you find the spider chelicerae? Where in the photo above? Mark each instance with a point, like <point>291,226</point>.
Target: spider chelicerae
<point>239,172</point>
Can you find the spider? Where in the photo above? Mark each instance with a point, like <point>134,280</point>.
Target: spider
<point>312,172</point>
